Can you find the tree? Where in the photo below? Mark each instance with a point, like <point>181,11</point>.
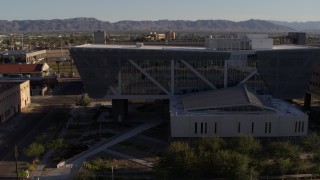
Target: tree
<point>283,150</point>
<point>84,175</point>
<point>58,145</point>
<point>206,149</point>
<point>234,165</point>
<point>283,164</point>
<point>245,145</point>
<point>35,150</point>
<point>312,142</point>
<point>84,101</point>
<point>179,160</point>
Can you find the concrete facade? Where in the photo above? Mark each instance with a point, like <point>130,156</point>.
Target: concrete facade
<point>100,37</point>
<point>23,56</point>
<point>14,96</point>
<point>234,111</point>
<point>231,125</point>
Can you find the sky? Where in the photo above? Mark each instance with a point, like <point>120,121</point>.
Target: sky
<point>117,10</point>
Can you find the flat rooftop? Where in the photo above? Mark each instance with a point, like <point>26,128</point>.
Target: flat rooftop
<point>182,105</point>
<point>6,85</point>
<point>175,48</point>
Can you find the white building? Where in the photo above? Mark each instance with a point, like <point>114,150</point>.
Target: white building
<point>231,42</point>
<point>232,112</point>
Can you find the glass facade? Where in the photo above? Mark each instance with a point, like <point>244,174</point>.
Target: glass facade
<point>124,72</point>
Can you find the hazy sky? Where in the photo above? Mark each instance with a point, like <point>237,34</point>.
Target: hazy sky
<point>117,10</point>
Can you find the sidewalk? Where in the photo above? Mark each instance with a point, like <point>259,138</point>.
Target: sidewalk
<point>48,154</point>
<point>73,165</point>
<point>130,158</point>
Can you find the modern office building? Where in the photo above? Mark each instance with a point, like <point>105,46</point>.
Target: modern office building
<point>14,96</point>
<point>235,111</point>
<point>121,72</point>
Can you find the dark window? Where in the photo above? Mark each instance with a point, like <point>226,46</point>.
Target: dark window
<point>215,127</point>
<point>266,127</point>
<point>195,128</point>
<point>302,127</point>
<point>269,127</point>
<point>299,127</point>
<point>252,127</point>
<point>201,128</point>
<point>239,127</point>
<point>295,127</point>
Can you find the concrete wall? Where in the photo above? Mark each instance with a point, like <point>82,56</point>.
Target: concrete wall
<point>261,44</point>
<point>56,54</point>
<point>14,99</point>
<point>231,125</point>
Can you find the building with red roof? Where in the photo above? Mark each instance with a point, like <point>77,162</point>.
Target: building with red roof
<point>19,70</point>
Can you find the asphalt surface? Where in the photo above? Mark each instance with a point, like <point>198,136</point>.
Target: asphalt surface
<point>23,128</point>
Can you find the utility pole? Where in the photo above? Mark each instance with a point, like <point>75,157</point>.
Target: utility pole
<point>61,46</point>
<point>16,159</point>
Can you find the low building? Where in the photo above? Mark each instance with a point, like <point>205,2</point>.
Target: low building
<point>14,96</point>
<point>31,70</point>
<point>170,35</point>
<point>231,42</point>
<point>235,111</point>
<point>22,56</point>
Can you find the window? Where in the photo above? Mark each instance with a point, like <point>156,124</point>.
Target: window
<point>266,128</point>
<point>215,127</point>
<point>252,127</point>
<point>195,128</point>
<point>299,127</point>
<point>201,128</point>
<point>269,127</point>
<point>239,127</point>
<point>302,129</point>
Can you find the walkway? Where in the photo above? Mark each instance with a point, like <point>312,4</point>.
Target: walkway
<point>74,164</point>
<point>130,158</point>
<point>48,154</point>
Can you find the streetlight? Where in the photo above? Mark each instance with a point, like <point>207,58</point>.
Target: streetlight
<point>61,46</point>
<point>12,45</point>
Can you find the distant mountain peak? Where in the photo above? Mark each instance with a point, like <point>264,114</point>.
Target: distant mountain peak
<point>92,24</point>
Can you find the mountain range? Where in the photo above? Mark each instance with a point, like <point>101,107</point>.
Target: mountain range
<point>92,24</point>
<point>308,26</point>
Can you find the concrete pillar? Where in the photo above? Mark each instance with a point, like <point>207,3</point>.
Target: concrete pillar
<point>119,109</point>
<point>307,101</point>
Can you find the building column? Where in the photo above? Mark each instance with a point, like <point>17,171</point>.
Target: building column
<point>307,101</point>
<point>119,109</point>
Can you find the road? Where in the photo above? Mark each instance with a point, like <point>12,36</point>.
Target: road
<point>32,122</point>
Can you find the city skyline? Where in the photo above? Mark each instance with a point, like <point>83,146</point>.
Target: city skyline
<point>114,11</point>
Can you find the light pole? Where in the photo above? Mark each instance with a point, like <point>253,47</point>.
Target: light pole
<point>16,160</point>
<point>61,46</point>
<point>12,45</point>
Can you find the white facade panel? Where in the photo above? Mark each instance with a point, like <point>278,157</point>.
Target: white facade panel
<point>232,125</point>
<point>257,44</point>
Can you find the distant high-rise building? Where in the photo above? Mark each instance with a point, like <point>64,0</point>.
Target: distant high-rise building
<point>297,37</point>
<point>100,37</point>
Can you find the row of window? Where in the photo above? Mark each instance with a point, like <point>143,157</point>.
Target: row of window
<point>203,127</point>
<point>299,126</point>
<point>314,83</point>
